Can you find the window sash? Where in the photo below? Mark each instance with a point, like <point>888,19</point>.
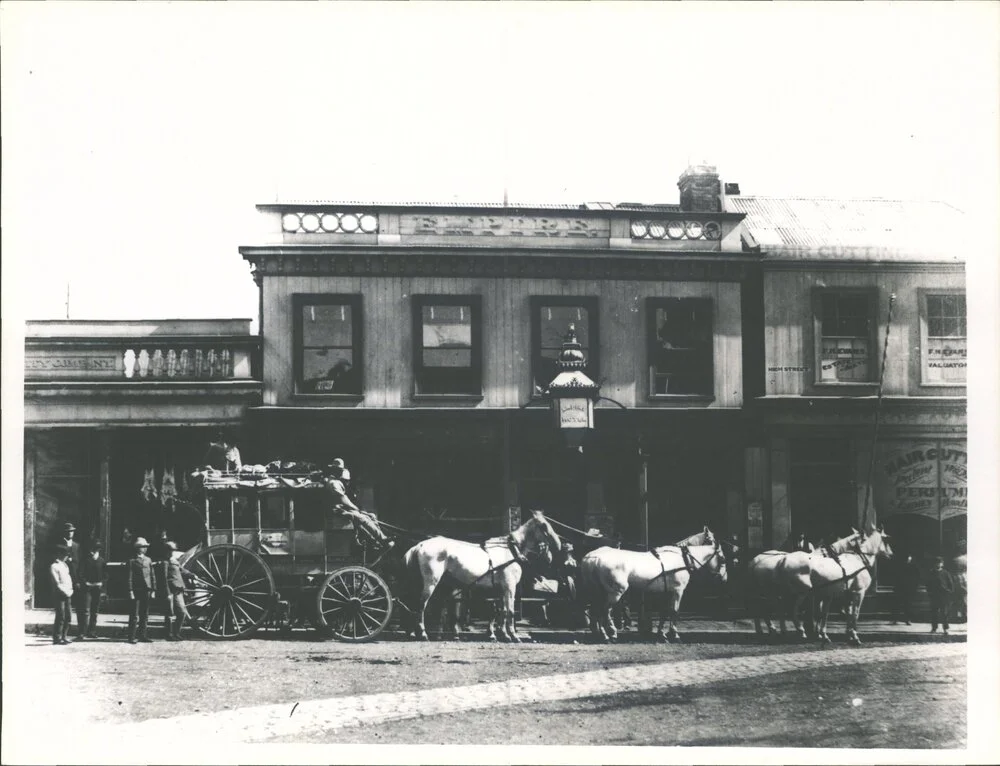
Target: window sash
<point>328,344</point>
<point>845,330</point>
<point>550,320</point>
<point>447,345</point>
<point>680,346</point>
<point>944,353</point>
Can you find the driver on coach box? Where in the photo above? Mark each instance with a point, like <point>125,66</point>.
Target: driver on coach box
<point>334,480</point>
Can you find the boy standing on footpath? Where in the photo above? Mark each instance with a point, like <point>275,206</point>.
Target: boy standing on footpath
<point>140,587</point>
<point>91,574</point>
<point>62,582</point>
<point>940,587</point>
<point>176,610</point>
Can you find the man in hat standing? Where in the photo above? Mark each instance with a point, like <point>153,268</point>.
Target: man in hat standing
<point>141,586</point>
<point>337,474</point>
<point>941,588</point>
<point>62,585</point>
<point>91,585</point>
<point>73,563</point>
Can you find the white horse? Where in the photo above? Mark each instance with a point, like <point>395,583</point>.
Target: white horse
<point>847,574</point>
<point>778,576</point>
<point>496,565</point>
<point>606,573</point>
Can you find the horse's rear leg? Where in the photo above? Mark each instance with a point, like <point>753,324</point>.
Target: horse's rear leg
<point>509,628</point>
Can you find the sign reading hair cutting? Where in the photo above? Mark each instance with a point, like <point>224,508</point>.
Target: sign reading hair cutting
<point>926,478</point>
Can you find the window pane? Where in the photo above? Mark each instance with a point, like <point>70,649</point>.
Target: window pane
<point>447,357</point>
<point>447,327</point>
<point>327,325</point>
<point>273,511</point>
<point>680,352</point>
<point>245,512</point>
<point>328,370</point>
<point>555,322</point>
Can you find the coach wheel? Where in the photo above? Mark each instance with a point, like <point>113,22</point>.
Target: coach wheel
<point>353,604</point>
<point>229,591</point>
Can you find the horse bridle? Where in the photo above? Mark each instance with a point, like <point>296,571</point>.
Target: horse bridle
<point>691,564</point>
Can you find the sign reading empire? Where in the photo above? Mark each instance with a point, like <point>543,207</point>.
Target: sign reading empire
<point>503,226</point>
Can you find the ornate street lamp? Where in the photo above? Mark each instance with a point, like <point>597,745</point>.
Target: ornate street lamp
<point>572,393</point>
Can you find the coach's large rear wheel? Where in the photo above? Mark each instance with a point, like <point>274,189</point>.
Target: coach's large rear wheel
<point>353,604</point>
<point>229,591</point>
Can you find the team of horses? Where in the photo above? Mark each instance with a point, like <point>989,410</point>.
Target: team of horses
<point>779,580</point>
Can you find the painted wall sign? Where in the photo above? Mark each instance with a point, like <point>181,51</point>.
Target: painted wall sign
<point>503,226</point>
<point>925,478</point>
<point>72,365</point>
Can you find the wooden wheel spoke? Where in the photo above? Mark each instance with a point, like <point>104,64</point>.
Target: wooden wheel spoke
<point>204,582</point>
<point>249,619</point>
<point>342,593</point>
<point>207,571</point>
<point>248,584</point>
<point>215,564</point>
<point>248,602</point>
<point>237,564</point>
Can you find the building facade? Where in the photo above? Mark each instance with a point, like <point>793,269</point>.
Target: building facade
<point>117,414</point>
<point>832,273</point>
<point>737,341</point>
<point>416,341</point>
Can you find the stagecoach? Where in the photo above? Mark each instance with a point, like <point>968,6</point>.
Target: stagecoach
<point>270,545</point>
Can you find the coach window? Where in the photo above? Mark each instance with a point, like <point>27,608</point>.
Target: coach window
<point>679,338</point>
<point>845,333</point>
<point>328,344</point>
<point>550,320</point>
<point>447,348</point>
<point>943,335</point>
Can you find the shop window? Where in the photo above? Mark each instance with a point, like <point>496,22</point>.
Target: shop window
<point>328,352</point>
<point>943,331</point>
<point>679,338</point>
<point>550,321</point>
<point>845,336</point>
<point>447,347</point>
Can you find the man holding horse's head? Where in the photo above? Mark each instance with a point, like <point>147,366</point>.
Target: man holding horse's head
<point>333,480</point>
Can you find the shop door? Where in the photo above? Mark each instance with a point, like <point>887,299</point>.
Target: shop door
<point>822,493</point>
<point>687,491</point>
<point>556,483</point>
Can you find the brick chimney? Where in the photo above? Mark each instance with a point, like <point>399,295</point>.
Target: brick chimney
<point>699,186</point>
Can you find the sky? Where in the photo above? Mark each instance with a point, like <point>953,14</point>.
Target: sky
<point>137,138</point>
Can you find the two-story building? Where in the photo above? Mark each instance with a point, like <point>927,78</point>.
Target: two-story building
<point>831,268</point>
<point>117,414</point>
<point>416,341</point>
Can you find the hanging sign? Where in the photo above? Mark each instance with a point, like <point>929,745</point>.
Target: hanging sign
<point>925,478</point>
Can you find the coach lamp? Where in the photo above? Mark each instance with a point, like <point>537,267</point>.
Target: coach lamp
<point>572,393</point>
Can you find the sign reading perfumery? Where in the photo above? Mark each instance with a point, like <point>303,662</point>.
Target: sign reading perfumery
<point>928,478</point>
<point>503,226</point>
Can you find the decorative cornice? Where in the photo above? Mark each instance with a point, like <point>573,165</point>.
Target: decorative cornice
<point>235,390</point>
<point>291,261</point>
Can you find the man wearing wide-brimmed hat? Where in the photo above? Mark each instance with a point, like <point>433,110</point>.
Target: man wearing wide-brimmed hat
<point>73,564</point>
<point>364,522</point>
<point>141,586</point>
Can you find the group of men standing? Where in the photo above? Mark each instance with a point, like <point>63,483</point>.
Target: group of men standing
<point>80,578</point>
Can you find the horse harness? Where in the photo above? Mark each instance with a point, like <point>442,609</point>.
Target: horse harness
<point>515,552</point>
<point>865,564</point>
<point>690,563</point>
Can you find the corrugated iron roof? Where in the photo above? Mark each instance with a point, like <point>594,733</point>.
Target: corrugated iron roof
<point>636,206</point>
<point>859,229</point>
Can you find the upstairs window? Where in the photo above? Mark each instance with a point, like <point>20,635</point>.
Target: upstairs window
<point>944,338</point>
<point>447,345</point>
<point>550,321</point>
<point>328,344</point>
<point>679,338</point>
<point>846,337</point>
